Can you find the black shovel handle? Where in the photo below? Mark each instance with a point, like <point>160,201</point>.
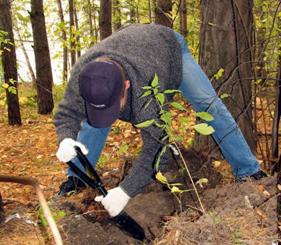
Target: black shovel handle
<point>94,175</point>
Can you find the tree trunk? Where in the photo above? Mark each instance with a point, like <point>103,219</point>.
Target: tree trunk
<point>29,66</point>
<point>163,12</point>
<point>149,11</point>
<point>72,32</point>
<point>90,18</point>
<point>133,16</point>
<point>64,39</point>
<point>116,15</point>
<point>183,18</point>
<point>277,113</point>
<point>105,19</point>
<point>44,78</point>
<point>153,10</point>
<point>10,64</point>
<point>226,42</point>
<point>78,46</point>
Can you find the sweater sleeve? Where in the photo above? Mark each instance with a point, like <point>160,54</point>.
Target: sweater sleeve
<point>142,172</point>
<point>70,112</point>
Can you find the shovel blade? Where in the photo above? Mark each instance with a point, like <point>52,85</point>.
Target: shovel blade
<point>129,226</point>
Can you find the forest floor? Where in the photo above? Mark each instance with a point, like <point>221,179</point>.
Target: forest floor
<point>236,213</point>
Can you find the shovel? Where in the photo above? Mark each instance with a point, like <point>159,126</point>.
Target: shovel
<point>123,221</point>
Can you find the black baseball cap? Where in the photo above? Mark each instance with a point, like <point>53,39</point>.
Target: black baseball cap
<point>101,85</point>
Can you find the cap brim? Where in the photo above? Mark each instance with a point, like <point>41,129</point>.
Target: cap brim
<point>103,118</point>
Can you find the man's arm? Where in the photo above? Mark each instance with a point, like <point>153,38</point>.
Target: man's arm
<point>71,111</point>
<point>142,172</point>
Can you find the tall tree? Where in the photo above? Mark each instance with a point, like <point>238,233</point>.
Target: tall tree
<point>105,21</point>
<point>77,44</point>
<point>277,113</point>
<point>116,15</point>
<point>183,17</point>
<point>25,54</point>
<point>72,32</point>
<point>44,78</point>
<point>8,53</point>
<point>133,14</point>
<point>163,12</point>
<point>64,40</point>
<point>226,43</point>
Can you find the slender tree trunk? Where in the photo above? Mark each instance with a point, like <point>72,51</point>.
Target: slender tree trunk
<point>133,17</point>
<point>183,18</point>
<point>64,40</point>
<point>163,13</point>
<point>227,44</point>
<point>10,64</point>
<point>116,14</point>
<point>90,18</point>
<point>29,66</point>
<point>149,11</point>
<point>78,46</point>
<point>153,10</point>
<point>44,78</point>
<point>105,19</point>
<point>277,113</point>
<point>72,32</point>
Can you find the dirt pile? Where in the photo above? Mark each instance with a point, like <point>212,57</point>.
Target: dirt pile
<point>242,213</point>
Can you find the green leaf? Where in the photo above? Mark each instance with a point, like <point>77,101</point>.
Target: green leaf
<point>160,97</point>
<point>155,81</point>
<point>12,90</point>
<point>5,85</point>
<point>161,178</point>
<point>175,190</point>
<point>204,129</point>
<point>146,93</point>
<point>178,106</point>
<point>171,91</point>
<point>205,116</point>
<point>218,75</point>
<point>225,95</point>
<point>166,117</point>
<point>145,123</point>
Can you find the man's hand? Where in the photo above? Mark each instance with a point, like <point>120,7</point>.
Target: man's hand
<point>66,150</point>
<point>115,201</point>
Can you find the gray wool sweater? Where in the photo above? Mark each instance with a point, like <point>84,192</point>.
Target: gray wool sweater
<point>142,50</point>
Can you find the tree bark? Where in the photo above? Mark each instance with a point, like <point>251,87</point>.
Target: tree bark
<point>29,66</point>
<point>277,113</point>
<point>77,45</point>
<point>10,64</point>
<point>72,32</point>
<point>183,18</point>
<point>44,78</point>
<point>105,19</point>
<point>163,13</point>
<point>226,42</point>
<point>64,39</point>
<point>133,16</point>
<point>116,14</point>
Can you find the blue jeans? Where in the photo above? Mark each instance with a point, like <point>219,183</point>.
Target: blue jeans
<point>94,139</point>
<point>198,90</point>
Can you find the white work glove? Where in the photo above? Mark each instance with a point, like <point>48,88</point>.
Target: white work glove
<point>66,150</point>
<point>115,201</point>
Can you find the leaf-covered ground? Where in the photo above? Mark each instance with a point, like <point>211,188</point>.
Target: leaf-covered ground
<point>29,150</point>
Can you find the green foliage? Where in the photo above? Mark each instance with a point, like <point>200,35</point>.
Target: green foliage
<point>204,129</point>
<point>205,116</point>
<point>57,215</point>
